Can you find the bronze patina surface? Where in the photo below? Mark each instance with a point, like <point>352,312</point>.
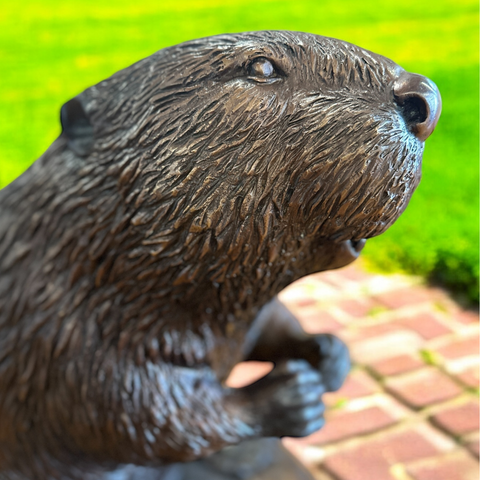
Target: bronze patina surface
<point>137,253</point>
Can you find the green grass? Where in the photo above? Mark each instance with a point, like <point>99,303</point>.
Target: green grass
<point>52,50</point>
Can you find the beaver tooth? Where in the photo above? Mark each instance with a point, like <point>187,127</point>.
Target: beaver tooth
<point>358,245</point>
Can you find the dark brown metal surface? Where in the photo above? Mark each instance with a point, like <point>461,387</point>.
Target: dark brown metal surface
<point>184,193</point>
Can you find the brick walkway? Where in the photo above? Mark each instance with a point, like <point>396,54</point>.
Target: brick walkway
<point>409,410</point>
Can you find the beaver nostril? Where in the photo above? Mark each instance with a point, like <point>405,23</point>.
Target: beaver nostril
<point>419,102</point>
<point>414,110</point>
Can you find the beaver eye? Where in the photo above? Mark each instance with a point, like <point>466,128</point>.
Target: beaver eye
<point>261,67</point>
<point>262,70</point>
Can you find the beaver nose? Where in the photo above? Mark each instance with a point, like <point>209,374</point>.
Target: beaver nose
<point>419,101</point>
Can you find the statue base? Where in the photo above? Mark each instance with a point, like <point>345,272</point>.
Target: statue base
<point>262,459</point>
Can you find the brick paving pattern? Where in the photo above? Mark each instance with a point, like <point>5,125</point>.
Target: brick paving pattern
<point>409,409</point>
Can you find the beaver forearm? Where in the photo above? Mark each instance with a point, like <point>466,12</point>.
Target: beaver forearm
<point>278,336</point>
<point>194,416</point>
<point>189,414</point>
<point>159,415</point>
<point>182,414</point>
<point>205,417</point>
<point>169,414</point>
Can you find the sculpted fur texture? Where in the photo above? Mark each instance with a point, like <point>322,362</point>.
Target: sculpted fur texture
<point>184,193</point>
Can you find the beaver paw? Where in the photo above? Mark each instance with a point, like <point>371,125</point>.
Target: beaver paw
<point>287,401</point>
<point>332,360</point>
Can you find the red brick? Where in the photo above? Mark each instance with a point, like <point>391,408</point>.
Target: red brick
<point>459,420</point>
<point>460,347</point>
<point>358,384</point>
<point>246,373</point>
<point>357,334</point>
<point>372,459</point>
<point>474,447</point>
<point>354,273</point>
<point>467,317</point>
<point>332,278</point>
<point>470,376</point>
<point>381,347</point>
<point>343,424</point>
<point>426,325</point>
<point>458,467</point>
<point>404,297</point>
<point>319,322</point>
<point>305,291</point>
<point>356,308</point>
<point>303,302</point>
<point>423,387</point>
<point>396,365</point>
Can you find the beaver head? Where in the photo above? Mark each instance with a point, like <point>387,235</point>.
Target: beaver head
<point>184,192</point>
<point>247,148</point>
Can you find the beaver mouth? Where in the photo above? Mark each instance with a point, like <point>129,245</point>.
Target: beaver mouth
<point>346,252</point>
<point>354,247</point>
<point>339,254</point>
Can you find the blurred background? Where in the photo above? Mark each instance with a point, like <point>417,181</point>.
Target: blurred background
<point>51,50</point>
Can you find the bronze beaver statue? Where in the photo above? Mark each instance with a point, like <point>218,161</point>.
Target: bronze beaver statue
<point>141,255</point>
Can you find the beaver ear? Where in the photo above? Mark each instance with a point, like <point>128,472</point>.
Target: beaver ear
<point>77,127</point>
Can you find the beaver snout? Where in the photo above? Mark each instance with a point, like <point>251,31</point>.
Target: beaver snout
<point>419,101</point>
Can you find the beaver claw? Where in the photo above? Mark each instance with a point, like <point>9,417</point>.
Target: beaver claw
<point>287,401</point>
<point>331,357</point>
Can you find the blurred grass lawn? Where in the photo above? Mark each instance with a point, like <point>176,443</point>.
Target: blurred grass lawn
<point>51,50</point>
